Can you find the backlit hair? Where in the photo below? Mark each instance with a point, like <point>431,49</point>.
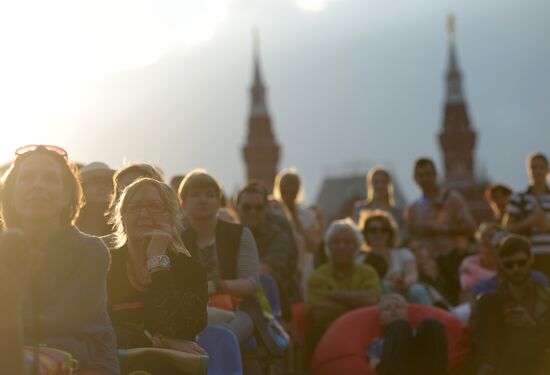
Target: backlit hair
<point>387,221</point>
<point>198,178</point>
<point>292,173</point>
<point>370,187</point>
<point>71,185</point>
<point>422,162</point>
<point>141,169</point>
<point>170,201</point>
<point>537,155</point>
<point>485,227</point>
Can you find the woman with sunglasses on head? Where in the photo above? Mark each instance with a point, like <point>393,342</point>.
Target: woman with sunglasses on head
<point>396,266</point>
<point>64,305</point>
<point>157,293</point>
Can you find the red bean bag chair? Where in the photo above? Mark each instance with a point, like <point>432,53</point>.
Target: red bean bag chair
<point>342,349</point>
<point>299,321</point>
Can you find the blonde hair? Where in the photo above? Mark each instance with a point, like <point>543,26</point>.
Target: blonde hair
<point>370,188</point>
<point>198,178</point>
<point>169,198</point>
<point>292,171</point>
<point>485,227</point>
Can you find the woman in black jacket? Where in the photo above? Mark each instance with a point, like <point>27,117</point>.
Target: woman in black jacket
<point>157,293</point>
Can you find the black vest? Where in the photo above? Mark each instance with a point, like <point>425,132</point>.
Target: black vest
<point>228,239</point>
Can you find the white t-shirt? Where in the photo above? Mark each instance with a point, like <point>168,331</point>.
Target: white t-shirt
<point>399,257</point>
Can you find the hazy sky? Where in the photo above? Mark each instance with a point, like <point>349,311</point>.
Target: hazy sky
<point>351,82</point>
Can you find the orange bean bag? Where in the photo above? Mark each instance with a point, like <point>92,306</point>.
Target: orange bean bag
<point>342,349</point>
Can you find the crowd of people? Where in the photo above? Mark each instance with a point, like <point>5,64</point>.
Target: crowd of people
<point>123,271</point>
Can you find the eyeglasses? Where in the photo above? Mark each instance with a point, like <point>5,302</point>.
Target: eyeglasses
<point>245,207</point>
<point>50,148</point>
<point>152,209</point>
<point>510,264</point>
<point>379,230</point>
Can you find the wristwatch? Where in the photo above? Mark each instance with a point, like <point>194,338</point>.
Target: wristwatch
<point>160,261</point>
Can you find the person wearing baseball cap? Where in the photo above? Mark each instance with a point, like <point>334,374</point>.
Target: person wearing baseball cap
<point>97,184</point>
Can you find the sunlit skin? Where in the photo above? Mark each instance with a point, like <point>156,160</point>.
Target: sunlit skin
<point>426,178</point>
<point>391,309</point>
<point>538,172</point>
<point>377,235</point>
<point>202,203</point>
<point>343,246</point>
<point>290,186</point>
<point>518,271</point>
<point>39,194</point>
<point>380,186</point>
<point>145,213</point>
<point>499,202</point>
<point>486,249</point>
<point>251,209</point>
<point>98,190</point>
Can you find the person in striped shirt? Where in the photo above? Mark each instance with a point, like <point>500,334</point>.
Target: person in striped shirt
<point>528,212</point>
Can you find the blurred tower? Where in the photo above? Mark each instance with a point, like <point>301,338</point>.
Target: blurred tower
<point>457,139</point>
<point>261,151</point>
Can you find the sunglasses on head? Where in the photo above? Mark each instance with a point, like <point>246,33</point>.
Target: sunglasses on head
<point>510,264</point>
<point>48,148</point>
<point>252,207</point>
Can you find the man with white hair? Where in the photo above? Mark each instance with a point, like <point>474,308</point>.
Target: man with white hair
<point>340,285</point>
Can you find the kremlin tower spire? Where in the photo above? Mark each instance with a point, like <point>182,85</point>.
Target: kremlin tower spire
<point>457,138</point>
<point>261,151</point>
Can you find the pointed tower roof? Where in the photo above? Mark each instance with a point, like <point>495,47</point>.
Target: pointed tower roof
<point>454,78</point>
<point>258,104</point>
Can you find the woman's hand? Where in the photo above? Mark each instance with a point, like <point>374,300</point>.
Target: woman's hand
<point>160,240</point>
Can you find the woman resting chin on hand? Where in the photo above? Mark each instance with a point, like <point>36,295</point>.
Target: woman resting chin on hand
<point>157,293</point>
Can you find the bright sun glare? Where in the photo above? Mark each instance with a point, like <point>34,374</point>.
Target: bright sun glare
<point>48,47</point>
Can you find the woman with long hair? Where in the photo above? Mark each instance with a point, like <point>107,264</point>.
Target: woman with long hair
<point>64,305</point>
<point>157,293</point>
<point>380,196</point>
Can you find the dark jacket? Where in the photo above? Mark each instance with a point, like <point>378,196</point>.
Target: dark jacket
<point>512,348</point>
<point>66,305</point>
<point>174,305</point>
<point>228,238</point>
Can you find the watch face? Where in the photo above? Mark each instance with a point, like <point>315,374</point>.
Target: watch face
<point>162,261</point>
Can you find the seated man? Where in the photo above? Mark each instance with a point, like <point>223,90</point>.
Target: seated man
<point>493,283</point>
<point>340,285</point>
<point>273,235</point>
<point>402,350</point>
<point>511,325</point>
